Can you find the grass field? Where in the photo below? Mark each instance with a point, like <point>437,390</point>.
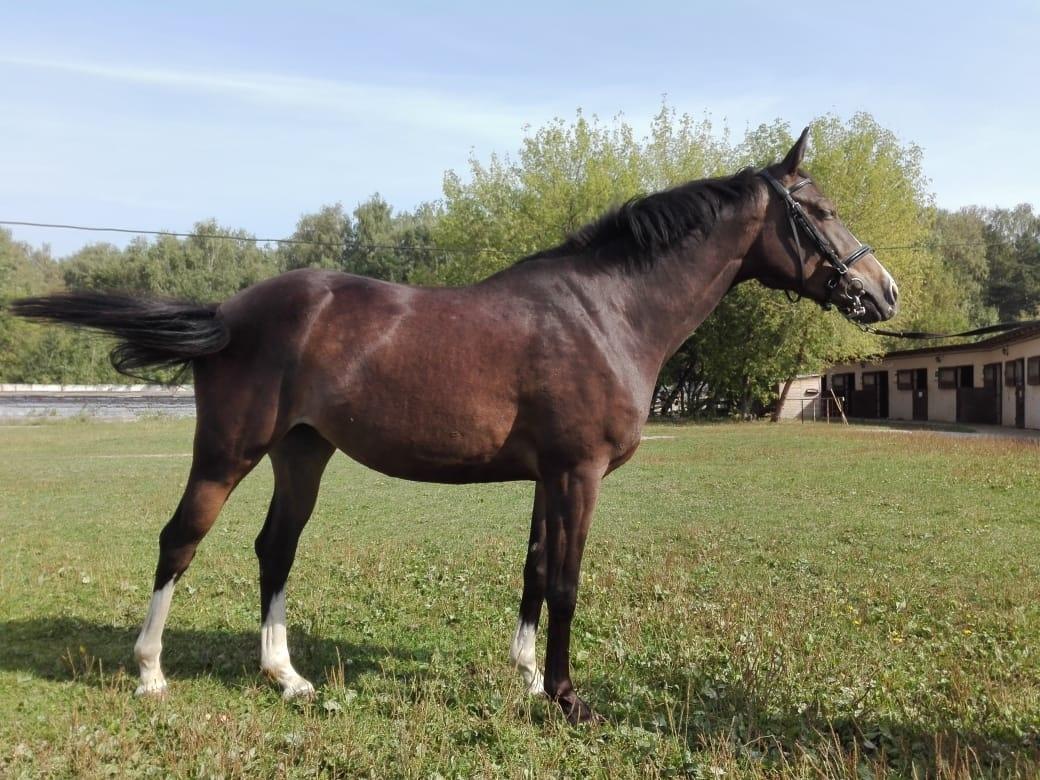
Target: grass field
<point>794,601</point>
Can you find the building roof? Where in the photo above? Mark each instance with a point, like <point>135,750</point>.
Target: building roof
<point>1024,333</point>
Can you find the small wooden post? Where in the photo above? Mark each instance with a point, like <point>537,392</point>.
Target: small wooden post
<point>844,419</point>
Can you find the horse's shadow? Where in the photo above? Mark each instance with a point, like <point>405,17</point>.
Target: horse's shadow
<point>776,735</point>
<point>65,649</point>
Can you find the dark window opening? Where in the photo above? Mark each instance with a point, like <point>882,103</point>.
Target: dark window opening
<point>1033,371</point>
<point>1013,373</point>
<point>991,375</point>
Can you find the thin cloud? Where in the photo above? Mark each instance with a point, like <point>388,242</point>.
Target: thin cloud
<point>402,105</point>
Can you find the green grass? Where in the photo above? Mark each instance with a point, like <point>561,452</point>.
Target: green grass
<point>792,601</point>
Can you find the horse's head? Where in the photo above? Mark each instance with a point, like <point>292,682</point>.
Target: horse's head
<point>805,248</point>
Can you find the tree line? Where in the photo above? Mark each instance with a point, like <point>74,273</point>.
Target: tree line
<point>956,269</point>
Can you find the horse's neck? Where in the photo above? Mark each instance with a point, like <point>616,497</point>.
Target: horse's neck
<point>667,302</point>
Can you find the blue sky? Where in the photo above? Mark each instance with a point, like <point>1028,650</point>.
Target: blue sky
<point>153,115</point>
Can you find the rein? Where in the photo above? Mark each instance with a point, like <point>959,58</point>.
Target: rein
<point>920,335</point>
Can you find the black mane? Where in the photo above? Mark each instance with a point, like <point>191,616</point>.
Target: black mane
<point>644,227</point>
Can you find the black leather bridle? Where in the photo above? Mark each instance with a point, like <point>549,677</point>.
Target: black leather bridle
<point>798,219</point>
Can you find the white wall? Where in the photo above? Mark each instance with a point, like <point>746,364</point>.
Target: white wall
<point>803,399</point>
<point>942,403</point>
<point>1026,350</point>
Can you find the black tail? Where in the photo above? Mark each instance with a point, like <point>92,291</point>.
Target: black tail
<point>151,332</point>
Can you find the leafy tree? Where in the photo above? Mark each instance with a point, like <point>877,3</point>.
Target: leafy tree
<point>1013,252</point>
<point>564,176</point>
<point>36,353</point>
<point>960,239</point>
<point>373,241</point>
<point>321,238</point>
<point>211,265</point>
<point>387,245</point>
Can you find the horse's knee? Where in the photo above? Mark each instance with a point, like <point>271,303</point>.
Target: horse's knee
<point>563,599</point>
<point>535,566</point>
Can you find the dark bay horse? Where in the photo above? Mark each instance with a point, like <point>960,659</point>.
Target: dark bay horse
<point>542,372</point>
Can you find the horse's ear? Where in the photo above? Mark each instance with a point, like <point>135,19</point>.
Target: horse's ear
<point>793,160</point>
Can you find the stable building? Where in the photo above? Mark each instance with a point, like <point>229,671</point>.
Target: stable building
<point>993,382</point>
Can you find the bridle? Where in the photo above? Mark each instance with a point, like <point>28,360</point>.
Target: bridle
<point>797,218</point>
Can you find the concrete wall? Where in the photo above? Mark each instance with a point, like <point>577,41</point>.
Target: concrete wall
<point>112,402</point>
<point>144,389</point>
<point>803,399</point>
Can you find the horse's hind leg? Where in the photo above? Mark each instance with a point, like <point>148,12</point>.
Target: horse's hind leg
<point>299,460</point>
<point>213,476</point>
<point>522,651</point>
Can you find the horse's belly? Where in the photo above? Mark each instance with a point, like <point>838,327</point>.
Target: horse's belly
<point>446,444</point>
<point>423,389</point>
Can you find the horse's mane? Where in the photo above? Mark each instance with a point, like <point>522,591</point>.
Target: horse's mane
<point>644,227</point>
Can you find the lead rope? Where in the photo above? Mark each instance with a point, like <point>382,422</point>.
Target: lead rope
<point>920,335</point>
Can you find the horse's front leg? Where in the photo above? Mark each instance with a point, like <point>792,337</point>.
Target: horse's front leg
<point>522,651</point>
<point>570,497</point>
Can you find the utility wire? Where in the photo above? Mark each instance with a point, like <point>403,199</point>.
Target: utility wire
<point>460,250</point>
<point>287,241</point>
<point>926,246</point>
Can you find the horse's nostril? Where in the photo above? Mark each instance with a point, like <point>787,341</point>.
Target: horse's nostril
<point>891,292</point>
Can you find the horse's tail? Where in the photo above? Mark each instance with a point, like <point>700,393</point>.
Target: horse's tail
<point>151,332</point>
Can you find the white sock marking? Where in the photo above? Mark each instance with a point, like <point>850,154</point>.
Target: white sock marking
<point>274,651</point>
<point>148,647</point>
<point>522,656</point>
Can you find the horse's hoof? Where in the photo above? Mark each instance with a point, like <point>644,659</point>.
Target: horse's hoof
<point>536,687</point>
<point>299,689</point>
<point>577,711</point>
<point>153,689</point>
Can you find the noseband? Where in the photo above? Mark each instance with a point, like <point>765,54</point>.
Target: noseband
<point>797,218</point>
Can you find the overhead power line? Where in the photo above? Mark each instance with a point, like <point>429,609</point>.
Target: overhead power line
<point>287,241</point>
<point>461,250</point>
<point>946,245</point>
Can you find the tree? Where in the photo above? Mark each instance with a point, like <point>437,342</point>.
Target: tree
<point>211,265</point>
<point>564,176</point>
<point>373,241</point>
<point>390,246</point>
<point>321,238</point>
<point>37,353</point>
<point>960,239</point>
<point>1013,252</point>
